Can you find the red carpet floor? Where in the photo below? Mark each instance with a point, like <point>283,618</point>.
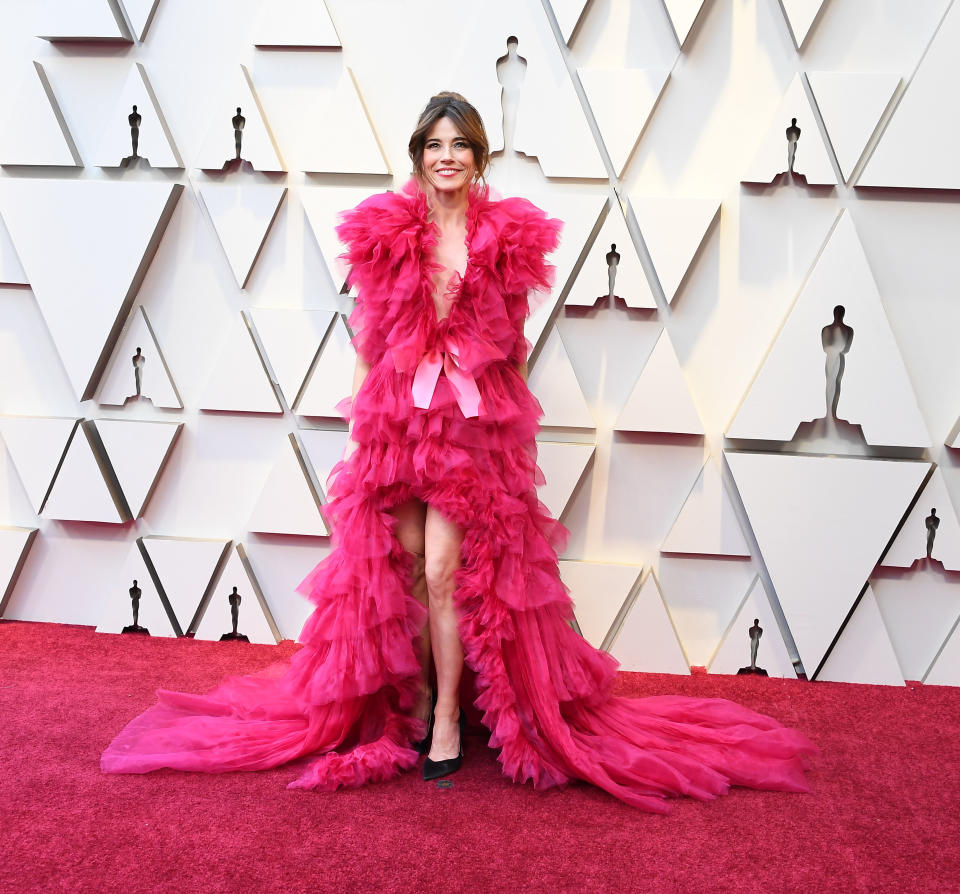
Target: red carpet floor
<point>883,815</point>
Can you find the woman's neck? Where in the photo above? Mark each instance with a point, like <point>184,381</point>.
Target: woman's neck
<point>448,209</point>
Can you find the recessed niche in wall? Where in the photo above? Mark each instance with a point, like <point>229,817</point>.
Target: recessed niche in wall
<point>133,589</point>
<point>295,23</point>
<point>647,640</point>
<point>81,20</point>
<point>599,591</point>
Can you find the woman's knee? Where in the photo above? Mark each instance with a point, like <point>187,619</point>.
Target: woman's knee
<point>440,572</point>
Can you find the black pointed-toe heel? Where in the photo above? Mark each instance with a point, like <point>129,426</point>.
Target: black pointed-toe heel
<point>438,769</point>
<point>423,746</point>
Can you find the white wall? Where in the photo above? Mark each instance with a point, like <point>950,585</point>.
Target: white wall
<point>713,114</point>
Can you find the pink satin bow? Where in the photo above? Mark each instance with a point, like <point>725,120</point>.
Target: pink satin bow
<point>428,372</point>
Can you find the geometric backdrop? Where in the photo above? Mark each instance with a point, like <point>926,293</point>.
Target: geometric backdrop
<point>750,377</point>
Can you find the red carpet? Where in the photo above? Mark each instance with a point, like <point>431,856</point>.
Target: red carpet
<point>883,815</point>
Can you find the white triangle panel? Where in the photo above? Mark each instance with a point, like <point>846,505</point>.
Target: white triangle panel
<point>851,104</point>
<point>622,100</point>
<point>568,13</point>
<point>919,611</point>
<point>707,523</point>
<point>555,385</point>
<point>599,591</point>
<point>140,15</point>
<point>11,271</point>
<point>918,146</point>
<point>185,567</point>
<point>332,377</point>
<point>821,523</point>
<point>79,20</point>
<point>683,13</point>
<point>291,340</point>
<point>118,603</point>
<point>80,492</point>
<point>254,620</point>
<point>323,206</point>
<point>734,650</point>
<point>660,400</point>
<point>562,465</point>
<point>911,542</point>
<point>864,653</point>
<point>324,449</point>
<point>35,131</point>
<point>138,452</point>
<point>15,545</point>
<point>257,145</point>
<point>239,381</point>
<point>36,445</point>
<point>647,641</point>
<point>812,160</point>
<point>945,670</point>
<point>593,282</point>
<point>340,132</point>
<point>154,140</point>
<point>295,23</point>
<point>875,393</point>
<point>800,15</point>
<point>242,216</point>
<point>288,503</point>
<point>85,246</point>
<point>673,230</point>
<point>120,383</point>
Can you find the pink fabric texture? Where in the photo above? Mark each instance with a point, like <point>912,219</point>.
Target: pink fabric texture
<point>544,693</point>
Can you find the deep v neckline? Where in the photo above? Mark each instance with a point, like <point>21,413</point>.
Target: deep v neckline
<point>450,293</point>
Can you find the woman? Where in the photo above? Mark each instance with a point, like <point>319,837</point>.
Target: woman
<point>443,547</point>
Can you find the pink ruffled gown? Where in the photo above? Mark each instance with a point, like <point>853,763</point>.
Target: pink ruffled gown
<point>468,449</point>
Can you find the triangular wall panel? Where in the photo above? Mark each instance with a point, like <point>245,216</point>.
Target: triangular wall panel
<point>119,383</point>
<point>555,385</point>
<point>660,400</point>
<point>707,523</point>
<point>15,545</point>
<point>140,15</point>
<point>239,382</point>
<point>945,670</point>
<point>911,542</point>
<point>324,449</point>
<point>821,523</point>
<point>593,281</point>
<point>673,230</point>
<point>790,387</point>
<point>289,503</point>
<point>599,591</point>
<point>137,451</point>
<point>255,619</point>
<point>35,131</point>
<point>568,14</point>
<point>242,216</point>
<point>563,465</point>
<point>734,651</point>
<point>295,23</point>
<point>291,340</point>
<point>647,641</point>
<point>11,270</point>
<point>185,568</point>
<point>86,246</point>
<point>800,16</point>
<point>864,653</point>
<point>918,146</point>
<point>155,143</point>
<point>80,491</point>
<point>37,445</point>
<point>332,377</point>
<point>257,147</point>
<point>812,160</point>
<point>71,20</point>
<point>851,103</point>
<point>621,100</point>
<point>682,15</point>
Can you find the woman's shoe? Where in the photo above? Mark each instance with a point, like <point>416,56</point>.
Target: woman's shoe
<point>423,746</point>
<point>438,769</point>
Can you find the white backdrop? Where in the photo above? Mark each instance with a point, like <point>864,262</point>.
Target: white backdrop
<point>690,512</point>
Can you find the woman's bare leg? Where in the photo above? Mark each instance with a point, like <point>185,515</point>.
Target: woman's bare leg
<point>442,540</point>
<point>411,520</point>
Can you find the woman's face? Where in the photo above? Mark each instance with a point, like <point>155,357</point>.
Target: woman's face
<point>447,158</point>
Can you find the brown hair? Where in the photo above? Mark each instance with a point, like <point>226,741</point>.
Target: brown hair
<point>466,119</point>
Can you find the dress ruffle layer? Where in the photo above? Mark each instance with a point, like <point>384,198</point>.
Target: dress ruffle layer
<point>343,701</point>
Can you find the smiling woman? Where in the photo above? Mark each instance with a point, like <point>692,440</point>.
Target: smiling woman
<point>443,551</point>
